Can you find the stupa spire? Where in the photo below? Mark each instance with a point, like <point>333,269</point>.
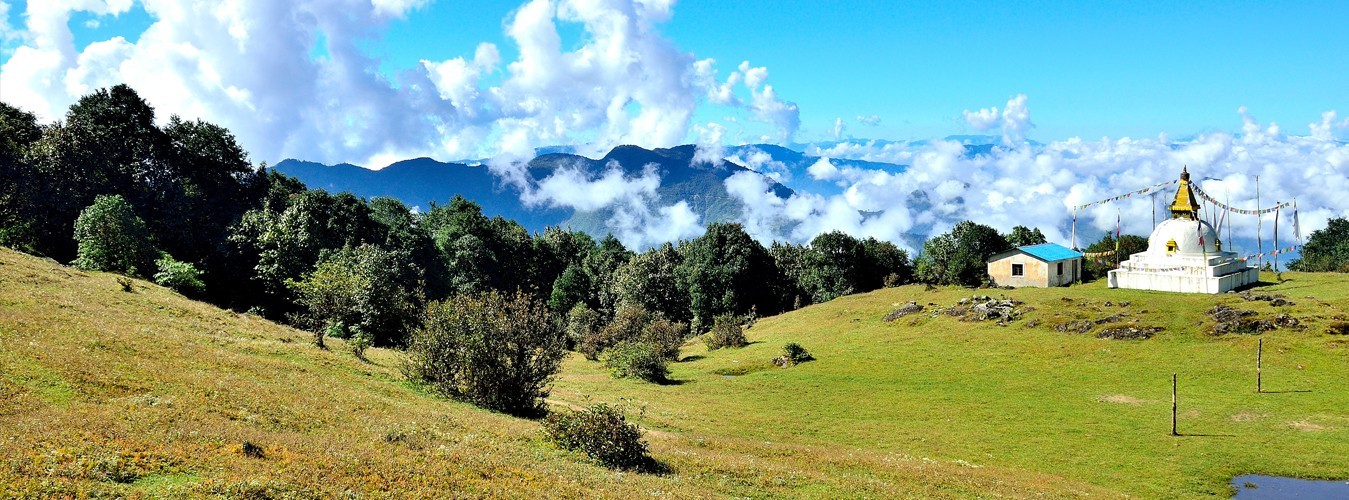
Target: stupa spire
<point>1185,206</point>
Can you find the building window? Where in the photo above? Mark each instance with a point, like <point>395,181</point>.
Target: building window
<point>1060,269</point>
<point>1018,270</point>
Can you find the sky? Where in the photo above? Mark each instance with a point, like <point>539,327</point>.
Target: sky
<point>1089,98</point>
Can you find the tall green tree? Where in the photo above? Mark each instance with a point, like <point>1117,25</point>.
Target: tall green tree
<point>650,280</point>
<point>960,256</point>
<point>112,238</point>
<point>1023,236</point>
<point>21,188</point>
<point>1327,250</point>
<point>366,289</point>
<point>727,272</point>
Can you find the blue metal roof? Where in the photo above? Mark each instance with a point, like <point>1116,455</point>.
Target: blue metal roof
<point>1050,252</point>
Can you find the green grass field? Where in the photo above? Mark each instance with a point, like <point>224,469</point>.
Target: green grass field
<point>149,394</point>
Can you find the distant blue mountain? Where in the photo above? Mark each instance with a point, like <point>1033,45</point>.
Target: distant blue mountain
<point>422,181</point>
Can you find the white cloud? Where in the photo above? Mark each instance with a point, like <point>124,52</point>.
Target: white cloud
<point>870,121</point>
<point>1038,186</point>
<point>291,78</point>
<point>839,127</point>
<point>983,119</point>
<point>711,148</point>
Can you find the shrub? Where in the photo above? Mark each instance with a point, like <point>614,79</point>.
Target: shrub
<point>582,323</point>
<point>183,277</point>
<point>493,350</point>
<point>358,343</point>
<point>726,332</point>
<point>665,336</point>
<point>792,354</point>
<point>112,238</point>
<point>641,360</point>
<point>600,432</point>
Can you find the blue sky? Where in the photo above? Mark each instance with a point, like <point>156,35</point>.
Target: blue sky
<point>1086,99</point>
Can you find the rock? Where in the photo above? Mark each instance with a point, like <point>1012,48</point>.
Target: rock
<point>1128,333</point>
<point>1075,327</point>
<point>1108,303</point>
<point>902,311</point>
<point>1286,321</point>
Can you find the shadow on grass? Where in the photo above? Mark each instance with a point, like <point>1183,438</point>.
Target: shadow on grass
<point>1290,391</point>
<point>687,359</point>
<point>1196,434</point>
<point>672,382</point>
<point>655,467</point>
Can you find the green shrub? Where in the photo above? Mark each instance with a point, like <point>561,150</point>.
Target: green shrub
<point>582,323</point>
<point>634,324</point>
<point>183,277</point>
<point>600,432</point>
<point>726,332</point>
<point>493,350</point>
<point>640,360</point>
<point>792,354</point>
<point>358,342</point>
<point>112,238</point>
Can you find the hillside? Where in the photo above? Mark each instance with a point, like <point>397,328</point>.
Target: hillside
<point>148,393</point>
<point>145,393</point>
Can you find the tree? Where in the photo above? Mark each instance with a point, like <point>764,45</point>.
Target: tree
<point>834,263</point>
<point>960,256</point>
<point>650,280</point>
<point>571,289</point>
<point>290,243</point>
<point>362,289</point>
<point>494,350</point>
<point>600,266</point>
<point>21,188</point>
<point>727,272</point>
<point>1023,236</point>
<point>1129,244</point>
<point>112,238</point>
<point>885,265</point>
<point>1327,250</point>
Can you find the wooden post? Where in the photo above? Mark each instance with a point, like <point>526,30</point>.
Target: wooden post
<point>1173,405</point>
<point>1259,350</point>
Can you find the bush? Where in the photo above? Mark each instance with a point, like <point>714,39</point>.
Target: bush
<point>726,332</point>
<point>493,350</point>
<point>582,323</point>
<point>112,238</point>
<point>640,360</point>
<point>600,432</point>
<point>635,324</point>
<point>666,336</point>
<point>182,277</point>
<point>792,354</point>
<point>358,343</point>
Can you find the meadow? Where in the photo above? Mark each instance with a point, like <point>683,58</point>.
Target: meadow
<point>146,393</point>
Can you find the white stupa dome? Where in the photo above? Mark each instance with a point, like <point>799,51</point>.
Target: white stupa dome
<point>1186,235</point>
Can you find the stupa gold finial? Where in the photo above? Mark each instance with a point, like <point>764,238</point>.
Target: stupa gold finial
<point>1184,207</point>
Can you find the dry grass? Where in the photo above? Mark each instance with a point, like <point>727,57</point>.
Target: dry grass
<point>148,394</point>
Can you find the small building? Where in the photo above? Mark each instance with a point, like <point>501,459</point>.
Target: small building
<point>1043,265</point>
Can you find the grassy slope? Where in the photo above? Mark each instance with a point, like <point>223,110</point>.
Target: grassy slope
<point>1033,399</point>
<point>149,394</point>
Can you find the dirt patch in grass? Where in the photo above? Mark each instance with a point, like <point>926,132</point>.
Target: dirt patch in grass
<point>1306,426</point>
<point>1247,416</point>
<point>1122,399</point>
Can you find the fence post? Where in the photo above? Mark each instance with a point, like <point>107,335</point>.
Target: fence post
<point>1173,405</point>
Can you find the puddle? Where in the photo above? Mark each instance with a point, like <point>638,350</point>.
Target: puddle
<point>1254,486</point>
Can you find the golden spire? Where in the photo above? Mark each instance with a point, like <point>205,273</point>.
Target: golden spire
<point>1185,207</point>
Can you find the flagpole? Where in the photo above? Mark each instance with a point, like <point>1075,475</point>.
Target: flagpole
<point>1259,243</point>
<point>1074,228</point>
<point>1276,238</point>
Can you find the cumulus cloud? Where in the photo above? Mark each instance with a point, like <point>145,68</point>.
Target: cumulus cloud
<point>839,128</point>
<point>1014,119</point>
<point>1039,186</point>
<point>291,78</point>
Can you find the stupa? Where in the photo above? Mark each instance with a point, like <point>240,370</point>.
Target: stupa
<point>1184,255</point>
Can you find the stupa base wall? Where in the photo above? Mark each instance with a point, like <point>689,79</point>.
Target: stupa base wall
<point>1182,283</point>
